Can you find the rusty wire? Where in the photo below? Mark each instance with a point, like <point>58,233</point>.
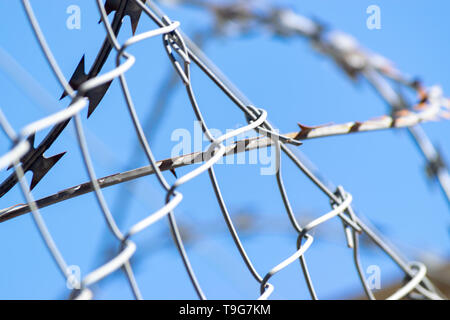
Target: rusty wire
<point>88,90</point>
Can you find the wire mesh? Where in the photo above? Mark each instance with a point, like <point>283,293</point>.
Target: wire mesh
<point>87,90</point>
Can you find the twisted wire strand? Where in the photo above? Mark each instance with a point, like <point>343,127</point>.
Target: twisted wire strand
<point>177,44</point>
<point>408,119</point>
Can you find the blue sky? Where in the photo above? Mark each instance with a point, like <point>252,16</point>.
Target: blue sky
<point>382,170</point>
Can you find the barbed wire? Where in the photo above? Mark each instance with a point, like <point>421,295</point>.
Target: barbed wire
<point>344,50</point>
<point>434,112</point>
<point>88,90</point>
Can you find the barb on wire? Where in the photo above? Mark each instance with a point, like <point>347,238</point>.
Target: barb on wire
<point>76,106</point>
<point>122,9</point>
<point>305,133</point>
<point>35,160</point>
<point>132,10</point>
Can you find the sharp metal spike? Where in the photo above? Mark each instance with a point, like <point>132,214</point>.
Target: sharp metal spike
<point>304,130</point>
<point>31,140</point>
<point>174,172</point>
<point>109,7</point>
<point>355,126</point>
<point>134,17</point>
<point>132,10</point>
<point>43,165</point>
<point>95,96</point>
<point>78,77</point>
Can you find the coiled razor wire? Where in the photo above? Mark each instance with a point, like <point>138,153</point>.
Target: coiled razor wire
<point>182,52</point>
